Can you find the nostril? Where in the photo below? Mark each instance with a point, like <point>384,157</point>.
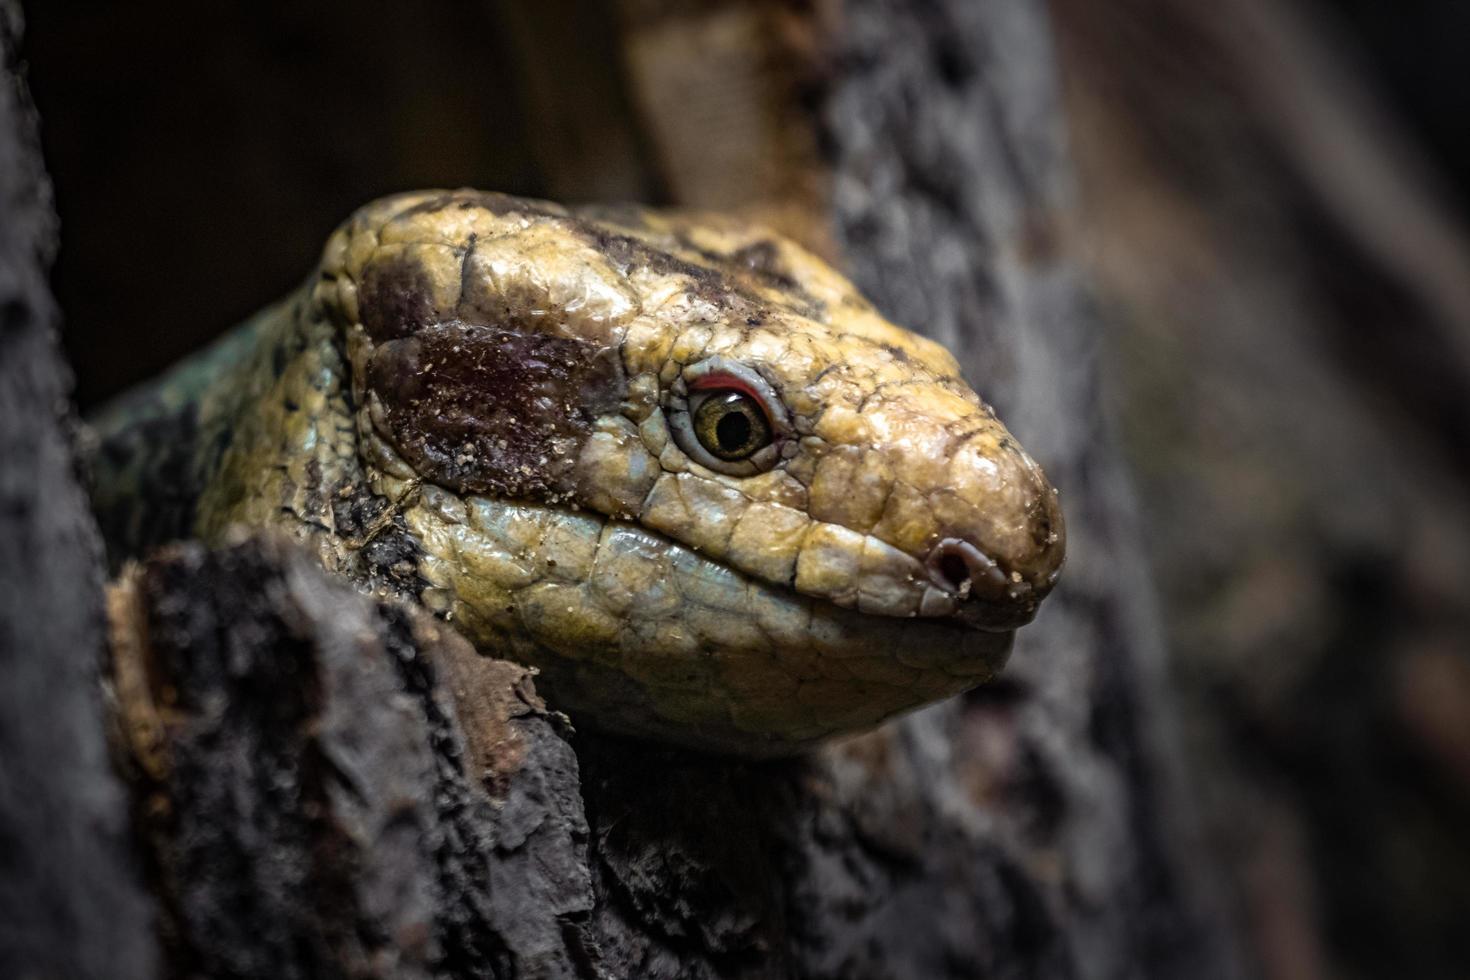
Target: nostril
<point>955,572</point>
<point>960,568</point>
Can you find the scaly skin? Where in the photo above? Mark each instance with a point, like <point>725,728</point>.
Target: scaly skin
<point>474,402</point>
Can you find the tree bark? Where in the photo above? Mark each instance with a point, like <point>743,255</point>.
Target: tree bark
<point>1290,290</point>
<point>953,194</point>
<point>71,904</point>
<point>329,787</point>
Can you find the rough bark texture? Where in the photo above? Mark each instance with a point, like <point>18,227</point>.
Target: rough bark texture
<point>1291,297</point>
<point>70,902</point>
<point>324,786</point>
<point>952,191</point>
<point>313,800</point>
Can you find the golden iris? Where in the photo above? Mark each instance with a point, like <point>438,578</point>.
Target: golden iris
<point>731,426</point>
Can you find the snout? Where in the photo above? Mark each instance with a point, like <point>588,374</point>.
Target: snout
<point>997,558</point>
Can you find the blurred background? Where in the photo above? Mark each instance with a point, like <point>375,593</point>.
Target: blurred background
<point>1271,215</point>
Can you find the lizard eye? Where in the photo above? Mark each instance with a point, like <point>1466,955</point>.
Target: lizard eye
<point>729,424</point>
<point>726,418</point>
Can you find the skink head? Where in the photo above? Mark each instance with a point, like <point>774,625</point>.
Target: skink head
<point>678,462</point>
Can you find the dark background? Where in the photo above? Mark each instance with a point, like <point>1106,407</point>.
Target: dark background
<point>202,152</point>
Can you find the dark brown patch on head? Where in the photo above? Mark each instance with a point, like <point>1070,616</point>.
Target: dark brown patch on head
<point>394,298</point>
<point>713,285</point>
<point>488,410</point>
<point>759,263</point>
<point>764,259</point>
<point>731,281</point>
<point>897,353</point>
<point>626,252</point>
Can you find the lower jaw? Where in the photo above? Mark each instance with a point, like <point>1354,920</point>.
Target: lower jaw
<point>648,638</point>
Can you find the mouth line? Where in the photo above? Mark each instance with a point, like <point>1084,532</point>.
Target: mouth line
<point>965,626</point>
<point>971,617</point>
<point>944,653</point>
<point>971,614</point>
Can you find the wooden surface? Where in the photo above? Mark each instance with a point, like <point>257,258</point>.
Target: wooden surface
<point>71,902</point>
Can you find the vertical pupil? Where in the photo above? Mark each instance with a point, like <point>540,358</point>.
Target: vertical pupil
<point>732,430</point>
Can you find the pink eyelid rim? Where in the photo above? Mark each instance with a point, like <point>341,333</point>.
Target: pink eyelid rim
<point>723,381</point>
